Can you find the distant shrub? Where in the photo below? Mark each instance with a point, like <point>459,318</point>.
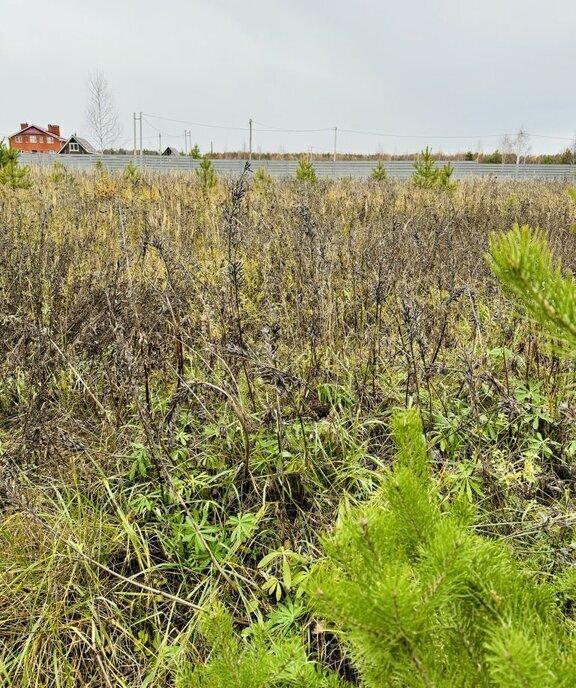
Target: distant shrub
<point>427,175</point>
<point>3,154</point>
<point>58,172</point>
<point>494,158</point>
<point>379,172</point>
<point>567,157</point>
<point>262,177</point>
<point>131,173</point>
<point>11,173</point>
<point>206,173</point>
<point>305,172</point>
<point>425,171</point>
<point>445,177</point>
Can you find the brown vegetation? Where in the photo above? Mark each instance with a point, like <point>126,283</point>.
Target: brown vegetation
<point>174,357</point>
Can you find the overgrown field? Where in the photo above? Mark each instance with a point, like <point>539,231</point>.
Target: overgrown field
<point>198,384</point>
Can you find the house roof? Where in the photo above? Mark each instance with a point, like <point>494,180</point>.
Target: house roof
<point>86,145</point>
<point>39,129</point>
<point>170,150</point>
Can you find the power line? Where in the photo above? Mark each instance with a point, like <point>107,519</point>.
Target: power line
<point>557,138</point>
<point>233,128</point>
<point>270,129</point>
<point>196,124</point>
<point>418,136</point>
<point>296,131</point>
<point>161,131</point>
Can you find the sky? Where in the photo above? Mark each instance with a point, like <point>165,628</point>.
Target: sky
<point>409,73</point>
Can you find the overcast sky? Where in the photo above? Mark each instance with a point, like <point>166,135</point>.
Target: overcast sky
<point>417,69</point>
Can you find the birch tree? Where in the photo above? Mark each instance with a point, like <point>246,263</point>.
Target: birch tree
<point>521,145</point>
<point>101,113</point>
<point>517,147</point>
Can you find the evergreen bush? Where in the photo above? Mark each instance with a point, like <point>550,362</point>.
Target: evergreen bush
<point>132,174</point>
<point>379,173</point>
<point>420,599</point>
<point>427,175</point>
<point>262,177</point>
<point>306,172</point>
<point>12,174</point>
<point>260,660</point>
<point>523,262</point>
<point>206,173</point>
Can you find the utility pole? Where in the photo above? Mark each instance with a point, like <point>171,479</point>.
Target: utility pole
<point>335,148</point>
<point>134,134</point>
<point>211,149</point>
<point>250,148</point>
<point>159,143</point>
<point>187,141</point>
<point>141,151</point>
<point>335,142</point>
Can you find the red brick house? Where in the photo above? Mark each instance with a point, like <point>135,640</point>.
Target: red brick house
<point>34,139</point>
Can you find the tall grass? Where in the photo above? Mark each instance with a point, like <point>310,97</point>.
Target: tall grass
<point>195,380</point>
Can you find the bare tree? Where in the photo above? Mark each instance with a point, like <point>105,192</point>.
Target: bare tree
<point>101,113</point>
<point>506,146</point>
<point>521,145</point>
<point>516,146</point>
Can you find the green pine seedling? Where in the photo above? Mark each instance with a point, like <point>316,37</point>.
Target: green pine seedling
<point>306,172</point>
<point>12,174</point>
<point>206,174</point>
<point>379,173</point>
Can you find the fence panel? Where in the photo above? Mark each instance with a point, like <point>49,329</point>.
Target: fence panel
<point>356,169</point>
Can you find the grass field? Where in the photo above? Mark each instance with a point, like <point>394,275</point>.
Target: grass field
<point>198,383</point>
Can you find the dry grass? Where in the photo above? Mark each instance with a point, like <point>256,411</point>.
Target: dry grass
<point>173,358</point>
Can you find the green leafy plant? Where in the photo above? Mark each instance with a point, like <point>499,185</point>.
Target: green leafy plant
<point>195,152</point>
<point>286,616</point>
<point>284,571</point>
<point>260,660</point>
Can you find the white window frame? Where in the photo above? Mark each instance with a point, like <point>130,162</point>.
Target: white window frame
<point>49,139</point>
<point>73,147</point>
<point>40,139</point>
<point>33,138</point>
<point>18,139</point>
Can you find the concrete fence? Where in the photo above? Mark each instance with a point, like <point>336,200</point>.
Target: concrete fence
<point>400,169</point>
